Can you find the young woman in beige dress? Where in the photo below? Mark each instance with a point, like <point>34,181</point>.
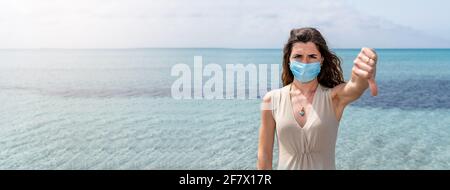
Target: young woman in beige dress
<point>305,113</point>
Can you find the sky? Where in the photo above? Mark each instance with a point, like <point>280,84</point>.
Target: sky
<point>221,23</point>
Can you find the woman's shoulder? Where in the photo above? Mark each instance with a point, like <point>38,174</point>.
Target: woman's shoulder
<point>270,99</point>
<point>333,90</point>
<point>268,96</point>
<point>273,94</point>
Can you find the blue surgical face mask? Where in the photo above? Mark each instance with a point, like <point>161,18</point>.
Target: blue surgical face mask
<point>305,72</point>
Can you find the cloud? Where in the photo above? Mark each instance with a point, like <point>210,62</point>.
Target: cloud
<point>197,23</point>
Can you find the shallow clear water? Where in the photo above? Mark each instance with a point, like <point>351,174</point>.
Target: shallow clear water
<point>112,109</point>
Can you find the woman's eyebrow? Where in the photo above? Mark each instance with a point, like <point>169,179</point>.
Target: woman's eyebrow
<point>301,53</point>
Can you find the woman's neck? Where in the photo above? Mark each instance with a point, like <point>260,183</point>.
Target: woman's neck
<point>305,88</point>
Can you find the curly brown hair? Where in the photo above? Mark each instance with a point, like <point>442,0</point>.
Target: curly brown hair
<point>330,72</point>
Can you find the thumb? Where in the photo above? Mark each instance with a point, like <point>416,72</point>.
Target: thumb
<point>373,87</point>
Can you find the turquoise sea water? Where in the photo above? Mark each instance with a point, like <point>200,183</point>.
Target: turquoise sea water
<point>112,109</point>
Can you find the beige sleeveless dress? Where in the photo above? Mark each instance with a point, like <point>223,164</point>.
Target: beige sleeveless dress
<point>313,146</point>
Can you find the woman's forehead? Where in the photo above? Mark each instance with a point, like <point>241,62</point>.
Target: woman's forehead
<point>305,48</point>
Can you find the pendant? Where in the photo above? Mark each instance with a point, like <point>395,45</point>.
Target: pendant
<point>302,113</point>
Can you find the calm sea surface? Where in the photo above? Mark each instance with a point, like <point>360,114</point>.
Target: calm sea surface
<point>113,109</point>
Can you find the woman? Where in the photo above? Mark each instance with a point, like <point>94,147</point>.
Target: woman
<point>306,112</point>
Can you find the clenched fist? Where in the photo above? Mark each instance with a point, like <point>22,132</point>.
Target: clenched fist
<point>365,67</point>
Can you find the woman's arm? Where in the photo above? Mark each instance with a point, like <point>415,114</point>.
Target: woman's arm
<point>363,76</point>
<point>266,135</point>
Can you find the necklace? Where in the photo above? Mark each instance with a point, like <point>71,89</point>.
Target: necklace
<point>302,111</point>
